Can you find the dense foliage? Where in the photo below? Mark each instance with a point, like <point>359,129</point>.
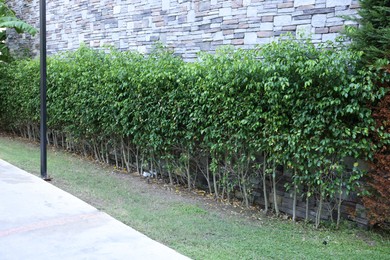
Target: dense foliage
<point>373,34</point>
<point>221,122</point>
<point>9,20</point>
<point>373,38</point>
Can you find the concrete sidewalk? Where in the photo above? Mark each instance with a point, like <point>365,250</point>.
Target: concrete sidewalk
<point>40,221</point>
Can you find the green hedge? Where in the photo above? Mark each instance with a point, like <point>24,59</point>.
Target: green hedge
<point>226,118</point>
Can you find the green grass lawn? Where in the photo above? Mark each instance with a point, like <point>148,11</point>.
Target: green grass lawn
<point>187,224</point>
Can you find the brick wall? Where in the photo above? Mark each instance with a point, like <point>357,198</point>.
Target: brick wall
<point>188,26</point>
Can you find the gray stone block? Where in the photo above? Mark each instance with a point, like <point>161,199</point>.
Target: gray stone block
<point>239,35</point>
<point>282,20</point>
<point>302,17</point>
<point>250,38</point>
<point>204,6</point>
<point>319,10</point>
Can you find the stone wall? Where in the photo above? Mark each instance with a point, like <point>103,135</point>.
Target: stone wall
<point>188,26</point>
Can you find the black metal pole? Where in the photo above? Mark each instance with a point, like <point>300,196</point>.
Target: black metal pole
<point>43,126</point>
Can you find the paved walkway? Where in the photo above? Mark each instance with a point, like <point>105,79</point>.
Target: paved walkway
<point>40,221</point>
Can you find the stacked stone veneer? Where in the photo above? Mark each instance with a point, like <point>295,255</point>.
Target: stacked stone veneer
<point>187,26</point>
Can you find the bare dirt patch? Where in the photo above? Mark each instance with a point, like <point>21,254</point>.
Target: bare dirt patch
<point>178,193</point>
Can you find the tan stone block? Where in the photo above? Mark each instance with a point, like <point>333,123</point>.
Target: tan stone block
<point>243,26</point>
<point>322,30</point>
<point>305,7</point>
<point>286,5</point>
<point>267,18</point>
<point>237,42</point>
<point>289,28</point>
<point>265,34</point>
<point>237,3</point>
<point>230,21</point>
<point>336,28</point>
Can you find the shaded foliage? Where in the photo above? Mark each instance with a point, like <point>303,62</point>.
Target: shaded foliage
<point>10,21</point>
<point>373,34</point>
<point>372,37</point>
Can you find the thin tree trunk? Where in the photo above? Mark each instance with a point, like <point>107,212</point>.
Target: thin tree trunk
<point>170,177</point>
<point>107,154</point>
<point>137,160</point>
<point>129,162</point>
<point>33,133</point>
<point>244,173</point>
<point>28,132</point>
<point>339,207</point>
<point>294,203</point>
<point>319,211</point>
<point>276,207</point>
<point>84,146</point>
<point>116,156</point>
<point>142,165</point>
<point>244,190</point>
<point>188,171</point>
<point>265,183</point>
<point>307,208</point>
<point>102,152</point>
<point>215,184</point>
<point>208,176</point>
<point>95,151</point>
<point>55,139</point>
<point>151,168</point>
<point>125,156</point>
